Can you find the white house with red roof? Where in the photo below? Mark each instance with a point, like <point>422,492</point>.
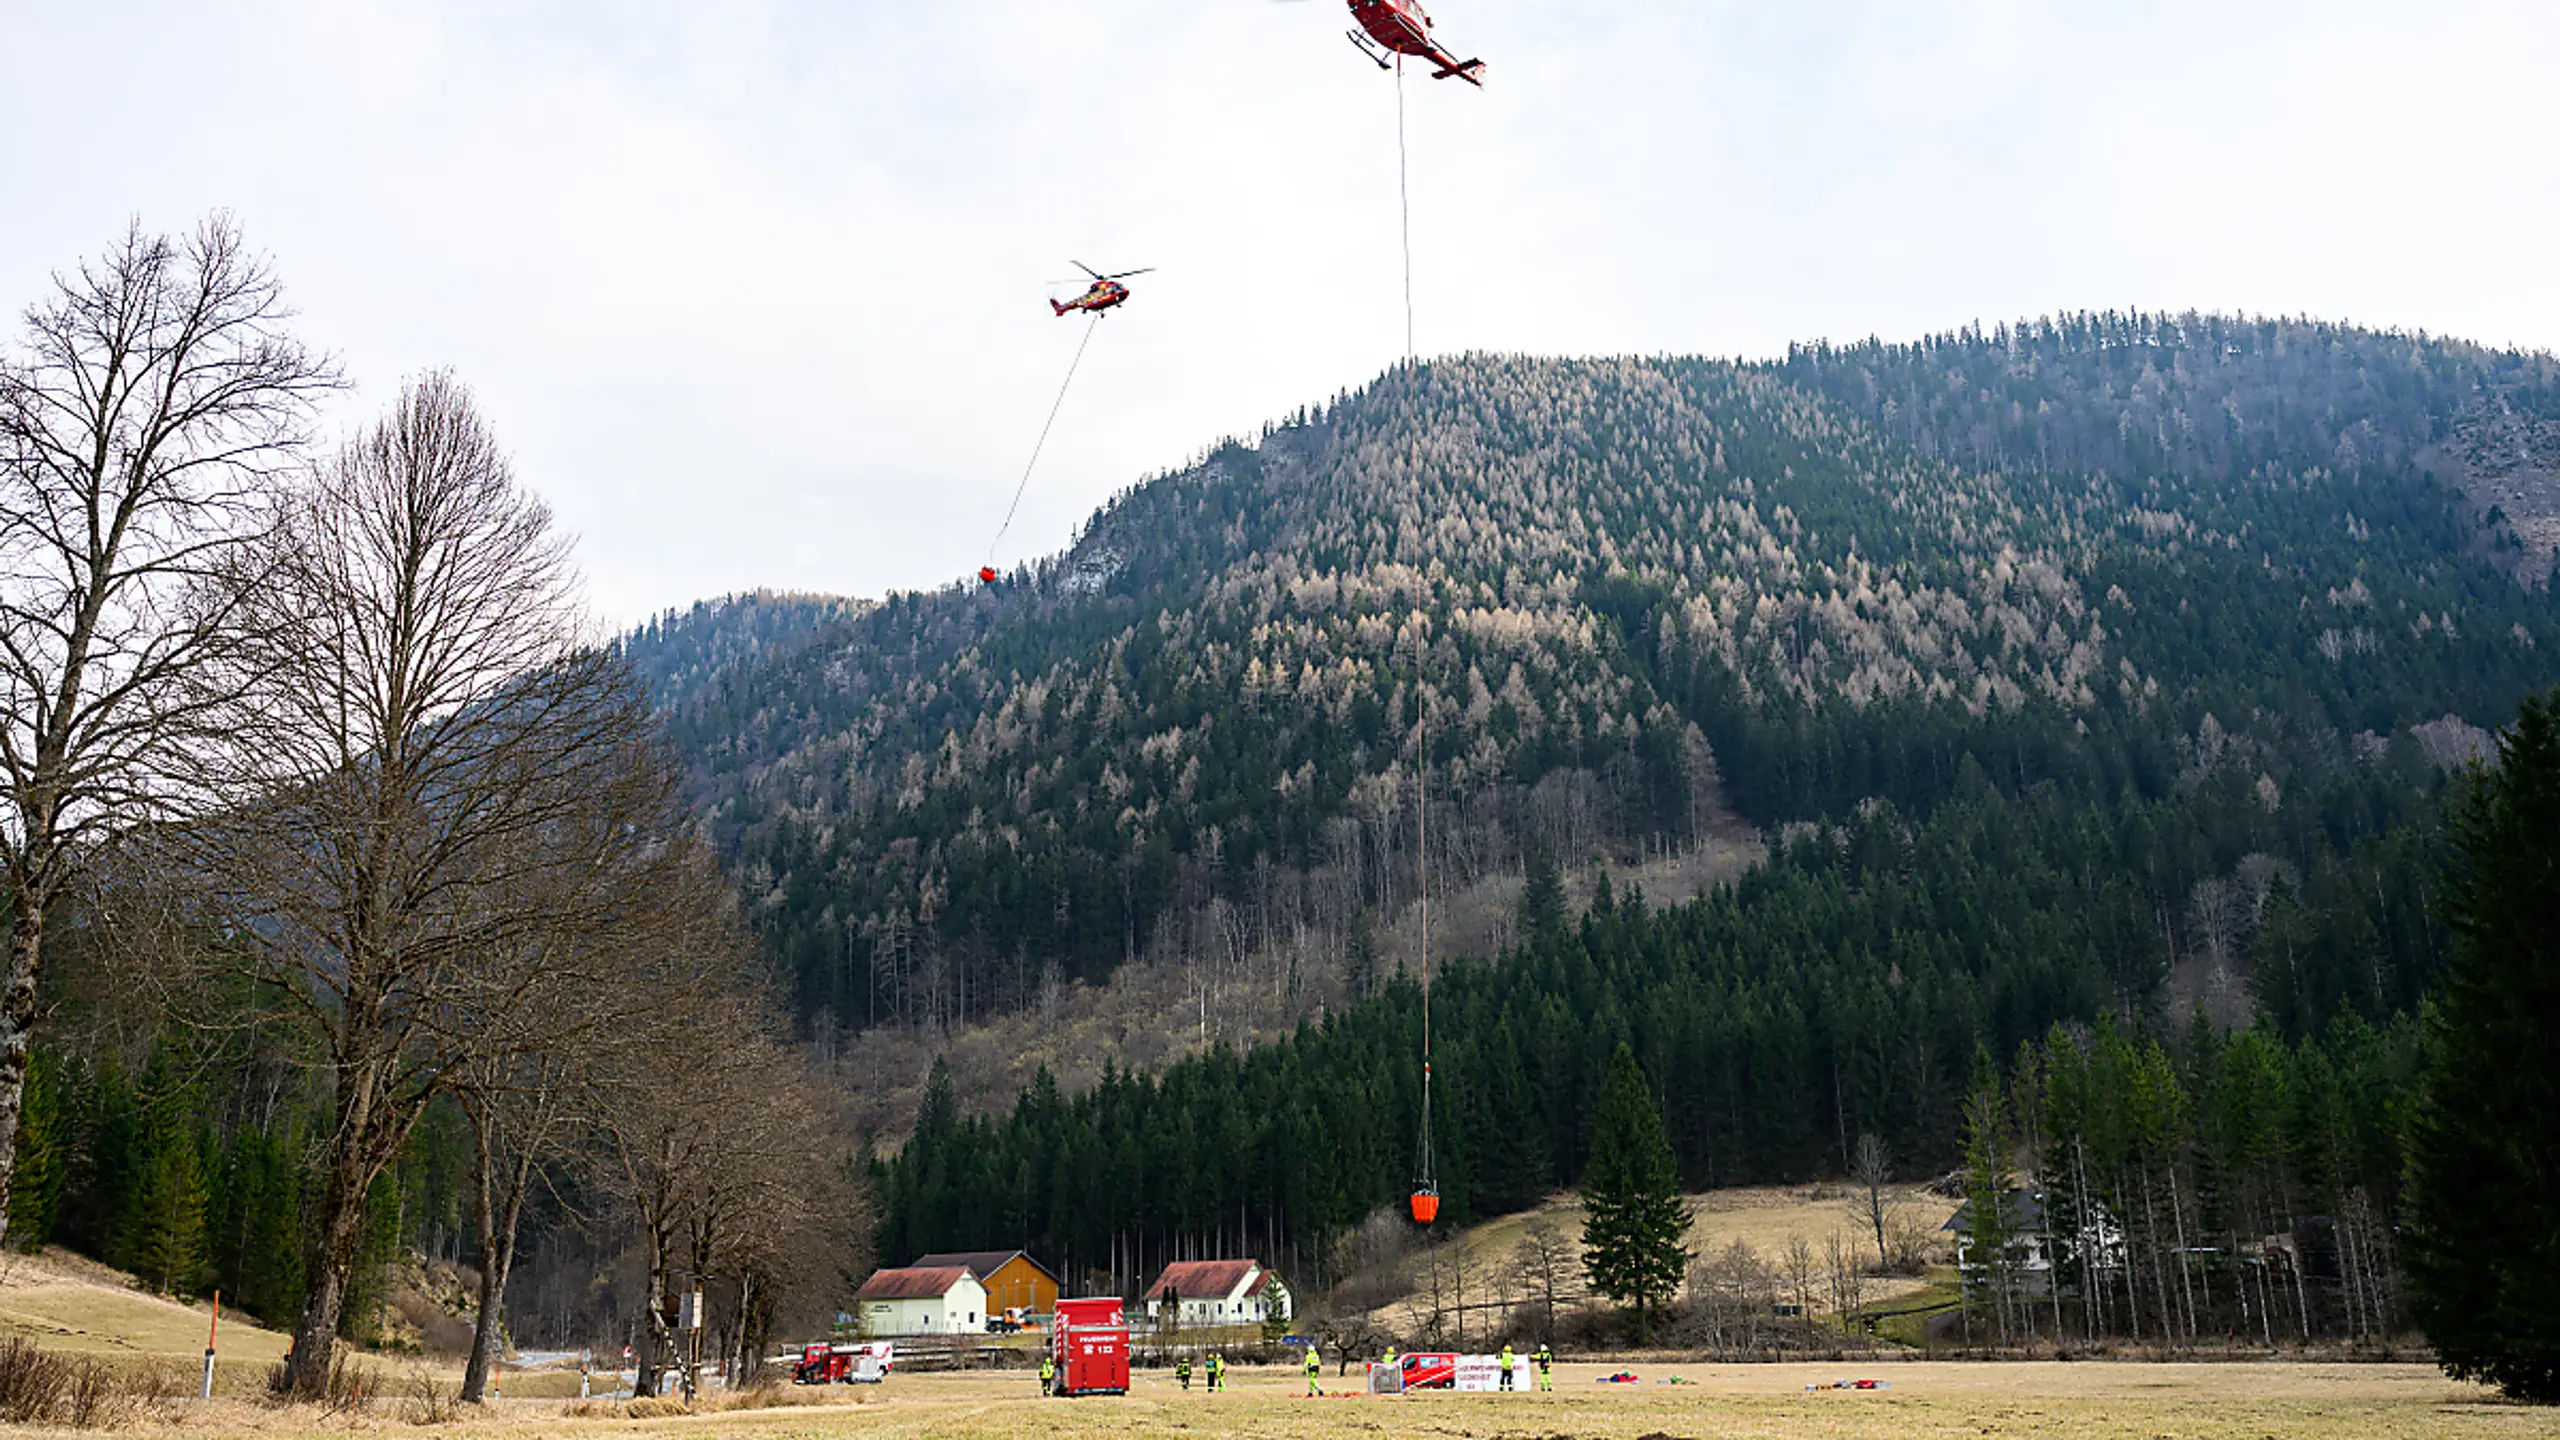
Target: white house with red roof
<point>922,1300</point>
<point>1218,1292</point>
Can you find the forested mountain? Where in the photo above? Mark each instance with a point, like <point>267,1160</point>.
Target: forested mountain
<point>2093,685</point>
<point>676,654</point>
<point>2152,568</point>
<point>2102,673</point>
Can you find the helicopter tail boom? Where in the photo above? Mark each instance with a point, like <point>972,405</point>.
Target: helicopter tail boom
<point>1471,71</point>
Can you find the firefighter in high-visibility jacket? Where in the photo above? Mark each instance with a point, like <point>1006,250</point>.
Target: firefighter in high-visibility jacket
<point>1315,1368</point>
<point>1217,1372</point>
<point>1048,1372</point>
<point>1546,1361</point>
<point>1508,1360</point>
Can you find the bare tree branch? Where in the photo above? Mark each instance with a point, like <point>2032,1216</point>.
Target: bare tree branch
<point>145,421</point>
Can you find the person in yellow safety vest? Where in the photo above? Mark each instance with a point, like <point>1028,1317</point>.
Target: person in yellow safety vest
<point>1217,1372</point>
<point>1507,1362</point>
<point>1315,1367</point>
<point>1048,1372</point>
<point>1546,1359</point>
<point>1182,1371</point>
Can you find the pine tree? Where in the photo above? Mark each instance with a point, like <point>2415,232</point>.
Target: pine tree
<point>1541,918</point>
<point>1360,959</point>
<point>2483,1247</point>
<point>163,1242</point>
<point>1987,1232</point>
<point>1631,1189</point>
<point>35,1188</point>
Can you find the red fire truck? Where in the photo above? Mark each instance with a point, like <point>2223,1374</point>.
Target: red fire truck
<point>1089,1341</point>
<point>859,1364</point>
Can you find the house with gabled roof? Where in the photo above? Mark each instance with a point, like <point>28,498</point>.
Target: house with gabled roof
<point>1217,1292</point>
<point>1013,1280</point>
<point>922,1300</point>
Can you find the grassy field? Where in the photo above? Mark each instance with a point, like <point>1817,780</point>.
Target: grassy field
<point>1763,1217</point>
<point>64,1303</point>
<point>1925,1401</point>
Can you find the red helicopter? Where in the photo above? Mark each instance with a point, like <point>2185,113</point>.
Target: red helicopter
<point>1105,292</point>
<point>1403,27</point>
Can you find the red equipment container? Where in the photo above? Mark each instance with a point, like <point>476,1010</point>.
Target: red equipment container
<point>1090,1343</point>
<point>1426,1206</point>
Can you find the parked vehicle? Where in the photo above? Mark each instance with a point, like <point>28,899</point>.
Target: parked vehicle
<point>1429,1371</point>
<point>1089,1344</point>
<point>843,1364</point>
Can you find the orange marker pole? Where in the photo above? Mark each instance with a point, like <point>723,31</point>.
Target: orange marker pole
<point>210,1331</point>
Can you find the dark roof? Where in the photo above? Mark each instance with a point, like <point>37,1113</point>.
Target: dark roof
<point>1201,1279</point>
<point>916,1282</point>
<point>2020,1211</point>
<point>983,1263</point>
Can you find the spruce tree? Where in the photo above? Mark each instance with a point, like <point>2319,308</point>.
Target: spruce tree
<point>1541,918</point>
<point>35,1190</point>
<point>1987,1233</point>
<point>163,1242</point>
<point>2483,1245</point>
<point>1636,1221</point>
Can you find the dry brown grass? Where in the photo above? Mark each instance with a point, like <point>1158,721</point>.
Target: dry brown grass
<point>1926,1401</point>
<point>1764,1217</point>
<point>67,1304</point>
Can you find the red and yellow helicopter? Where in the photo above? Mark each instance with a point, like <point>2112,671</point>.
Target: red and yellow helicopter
<point>1105,292</point>
<point>1403,27</point>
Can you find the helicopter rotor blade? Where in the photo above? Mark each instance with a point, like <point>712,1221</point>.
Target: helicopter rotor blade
<point>1125,274</point>
<point>1089,270</point>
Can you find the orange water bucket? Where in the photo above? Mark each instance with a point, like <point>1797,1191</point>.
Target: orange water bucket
<point>1426,1206</point>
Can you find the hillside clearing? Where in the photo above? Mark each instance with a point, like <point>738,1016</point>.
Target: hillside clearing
<point>1764,1217</point>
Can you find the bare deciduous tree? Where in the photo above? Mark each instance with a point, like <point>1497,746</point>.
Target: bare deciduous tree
<point>614,976</point>
<point>153,403</point>
<point>1872,1169</point>
<point>1848,1282</point>
<point>1801,1270</point>
<point>719,1146</point>
<point>1545,1261</point>
<point>442,802</point>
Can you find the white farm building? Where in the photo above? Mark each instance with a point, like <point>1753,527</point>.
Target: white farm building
<point>923,1300</point>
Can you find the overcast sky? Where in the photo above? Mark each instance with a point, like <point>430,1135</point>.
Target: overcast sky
<point>754,292</point>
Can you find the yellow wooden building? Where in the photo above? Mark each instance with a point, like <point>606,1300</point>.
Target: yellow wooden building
<point>1013,1279</point>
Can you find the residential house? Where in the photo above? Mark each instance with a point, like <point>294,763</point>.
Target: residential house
<point>1218,1292</point>
<point>2030,1251</point>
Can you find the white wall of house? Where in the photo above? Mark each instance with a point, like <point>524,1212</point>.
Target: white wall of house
<point>960,1311</point>
<point>1242,1306</point>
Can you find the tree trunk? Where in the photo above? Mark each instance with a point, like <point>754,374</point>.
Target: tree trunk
<point>17,1018</point>
<point>337,1231</point>
<point>500,1215</point>
<point>329,1259</point>
<point>495,1261</point>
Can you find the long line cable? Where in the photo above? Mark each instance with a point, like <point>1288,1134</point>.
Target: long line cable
<point>1421,612</point>
<point>1090,324</point>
